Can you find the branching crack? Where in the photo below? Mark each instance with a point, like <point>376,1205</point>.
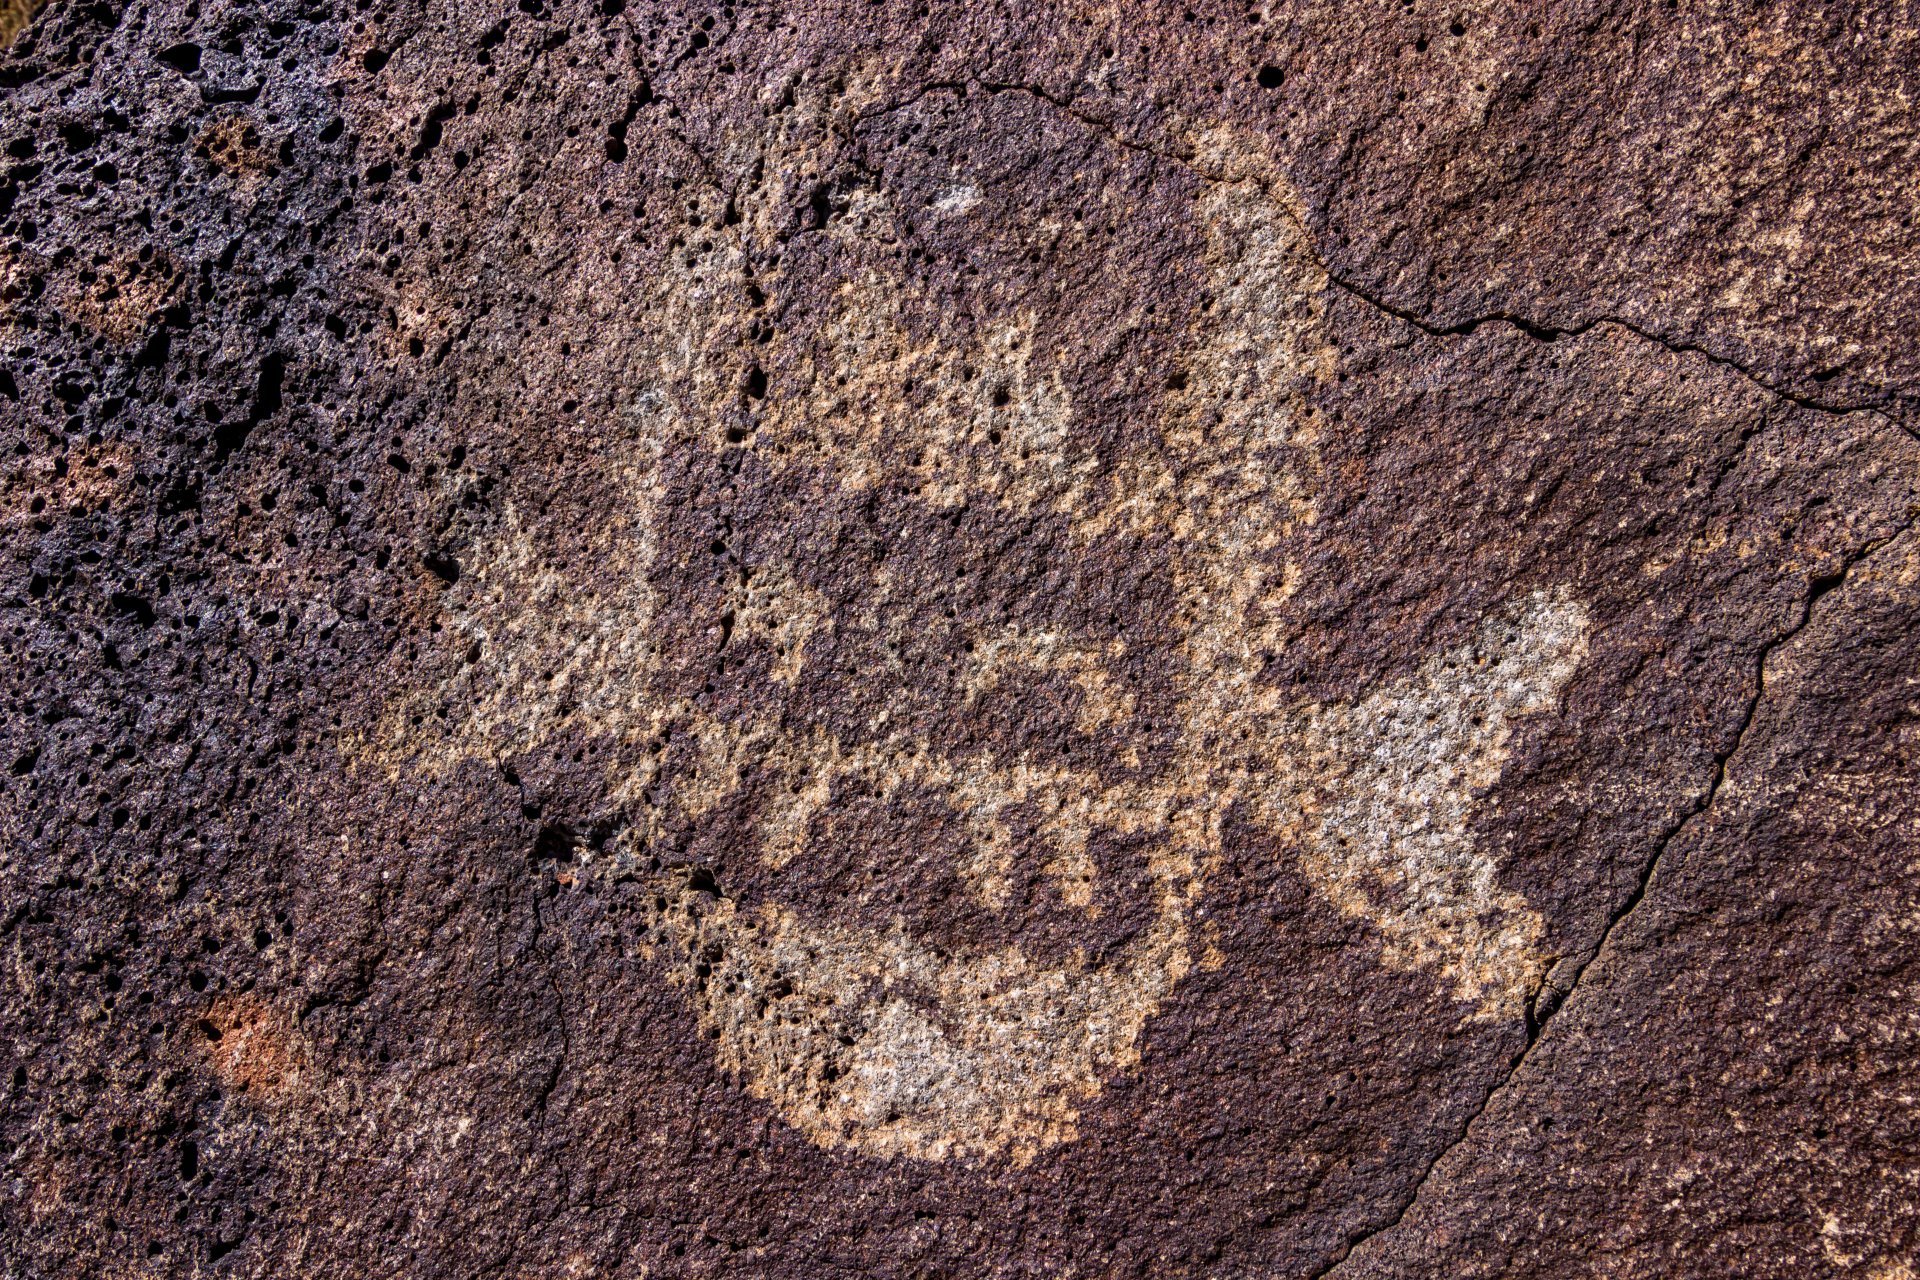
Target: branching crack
<point>1547,333</point>
<point>1532,328</point>
<point>1540,1014</point>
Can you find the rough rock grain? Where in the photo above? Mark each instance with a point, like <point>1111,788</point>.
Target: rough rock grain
<point>869,639</point>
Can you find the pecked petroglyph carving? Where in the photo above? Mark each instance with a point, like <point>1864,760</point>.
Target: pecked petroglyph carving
<point>871,1039</point>
<point>862,1034</point>
<point>1384,789</point>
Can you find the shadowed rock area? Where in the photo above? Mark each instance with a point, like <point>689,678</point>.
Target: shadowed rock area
<point>859,639</point>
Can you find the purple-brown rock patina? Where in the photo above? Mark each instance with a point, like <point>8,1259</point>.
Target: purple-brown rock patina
<point>860,639</point>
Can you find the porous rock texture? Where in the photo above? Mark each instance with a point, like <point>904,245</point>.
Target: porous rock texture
<point>826,639</point>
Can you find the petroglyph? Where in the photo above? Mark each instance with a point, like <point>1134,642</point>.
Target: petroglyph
<point>868,1038</point>
<point>860,1033</point>
<point>1384,788</point>
<point>994,421</point>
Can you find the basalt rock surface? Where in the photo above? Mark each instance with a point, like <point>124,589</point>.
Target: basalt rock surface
<point>879,639</point>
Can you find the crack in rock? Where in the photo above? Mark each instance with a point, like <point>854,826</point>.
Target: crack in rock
<point>1223,173</point>
<point>1817,589</point>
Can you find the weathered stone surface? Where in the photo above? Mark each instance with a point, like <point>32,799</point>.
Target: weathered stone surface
<point>848,639</point>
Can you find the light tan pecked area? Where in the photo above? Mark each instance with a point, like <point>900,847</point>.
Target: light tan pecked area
<point>863,1035</point>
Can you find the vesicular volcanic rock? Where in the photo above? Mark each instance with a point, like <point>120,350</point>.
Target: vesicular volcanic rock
<point>849,639</point>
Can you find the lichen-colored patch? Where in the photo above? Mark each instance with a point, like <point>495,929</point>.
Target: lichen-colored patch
<point>254,1048</point>
<point>234,143</point>
<point>117,298</point>
<point>14,17</point>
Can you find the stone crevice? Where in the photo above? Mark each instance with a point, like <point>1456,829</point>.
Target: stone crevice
<point>1548,333</point>
<point>1817,589</point>
<point>1532,328</point>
